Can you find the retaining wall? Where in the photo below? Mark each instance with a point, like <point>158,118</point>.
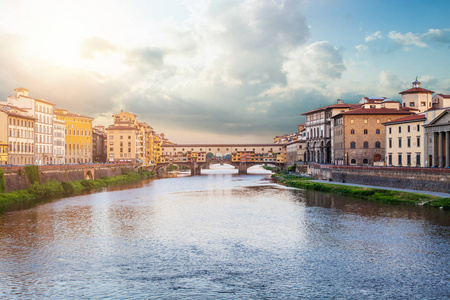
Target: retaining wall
<point>426,179</point>
<point>16,179</point>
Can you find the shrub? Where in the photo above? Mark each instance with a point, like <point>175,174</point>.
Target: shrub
<point>68,188</point>
<point>32,173</point>
<point>2,181</point>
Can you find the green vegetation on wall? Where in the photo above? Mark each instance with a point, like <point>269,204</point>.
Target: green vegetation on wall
<point>54,189</point>
<point>2,181</point>
<point>32,174</point>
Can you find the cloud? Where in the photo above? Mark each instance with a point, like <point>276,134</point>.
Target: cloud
<point>374,36</point>
<point>95,44</point>
<point>408,39</point>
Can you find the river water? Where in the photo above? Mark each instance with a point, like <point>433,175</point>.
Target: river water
<point>223,236</point>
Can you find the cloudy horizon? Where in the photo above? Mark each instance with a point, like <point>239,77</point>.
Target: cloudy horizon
<point>220,71</point>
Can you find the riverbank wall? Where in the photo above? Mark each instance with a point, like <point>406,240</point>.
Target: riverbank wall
<point>426,179</point>
<point>16,178</point>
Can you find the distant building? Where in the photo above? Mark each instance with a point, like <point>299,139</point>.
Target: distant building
<point>99,144</point>
<point>43,112</point>
<point>359,136</point>
<point>437,132</point>
<point>417,97</point>
<point>441,101</point>
<point>405,141</point>
<point>17,129</point>
<point>59,141</point>
<point>78,136</point>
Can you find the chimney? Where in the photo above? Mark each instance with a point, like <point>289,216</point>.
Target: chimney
<point>339,101</point>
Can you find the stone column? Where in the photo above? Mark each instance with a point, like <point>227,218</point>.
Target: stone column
<point>435,149</point>
<point>441,149</point>
<point>447,146</point>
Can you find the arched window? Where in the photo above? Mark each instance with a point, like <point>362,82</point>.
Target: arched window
<point>365,161</point>
<point>352,131</point>
<point>377,144</point>
<point>353,145</point>
<point>353,161</point>
<point>365,121</point>
<point>377,131</point>
<point>366,145</point>
<point>365,131</point>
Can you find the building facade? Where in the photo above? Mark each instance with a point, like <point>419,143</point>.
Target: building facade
<point>17,129</point>
<point>59,141</point>
<point>417,97</point>
<point>42,111</point>
<point>405,141</point>
<point>359,136</point>
<point>78,136</point>
<point>437,134</point>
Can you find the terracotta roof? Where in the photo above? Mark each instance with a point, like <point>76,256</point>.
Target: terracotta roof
<point>375,111</point>
<point>71,115</point>
<point>337,105</point>
<point>390,101</point>
<point>443,95</point>
<point>408,108</point>
<point>412,118</point>
<point>10,113</point>
<point>40,100</point>
<point>14,107</point>
<point>416,90</point>
<point>223,145</point>
<point>121,128</point>
<point>21,89</point>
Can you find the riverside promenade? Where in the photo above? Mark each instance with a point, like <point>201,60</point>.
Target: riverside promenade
<point>438,194</point>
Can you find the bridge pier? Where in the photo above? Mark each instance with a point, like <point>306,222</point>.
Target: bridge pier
<point>242,168</point>
<point>195,169</point>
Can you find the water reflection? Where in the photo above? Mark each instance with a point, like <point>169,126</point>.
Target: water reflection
<point>221,235</point>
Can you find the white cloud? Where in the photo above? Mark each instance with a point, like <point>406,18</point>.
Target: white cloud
<point>374,36</point>
<point>408,39</point>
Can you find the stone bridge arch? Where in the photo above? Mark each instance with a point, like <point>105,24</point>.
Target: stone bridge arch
<point>89,174</point>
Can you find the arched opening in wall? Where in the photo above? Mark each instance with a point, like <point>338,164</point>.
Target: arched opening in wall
<point>227,156</point>
<point>353,161</point>
<point>219,155</point>
<point>209,155</point>
<point>88,175</point>
<point>377,157</point>
<point>365,161</point>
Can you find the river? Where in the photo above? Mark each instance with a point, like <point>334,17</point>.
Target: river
<point>223,236</point>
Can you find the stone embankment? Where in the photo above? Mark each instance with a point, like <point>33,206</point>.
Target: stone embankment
<point>16,178</point>
<point>425,179</point>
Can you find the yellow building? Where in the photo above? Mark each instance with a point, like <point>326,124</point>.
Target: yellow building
<point>157,141</point>
<point>78,136</point>
<point>3,153</point>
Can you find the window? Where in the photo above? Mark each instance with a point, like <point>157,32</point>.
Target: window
<point>111,149</point>
<point>378,131</point>
<point>399,159</point>
<point>418,141</point>
<point>365,161</point>
<point>390,159</point>
<point>352,131</point>
<point>365,131</point>
<point>411,104</point>
<point>422,104</point>
<point>121,137</point>
<point>352,121</point>
<point>408,142</point>
<point>417,159</point>
<point>353,161</point>
<point>129,137</point>
<point>399,142</point>
<point>399,129</point>
<point>418,127</point>
<point>365,121</point>
<point>408,159</point>
<point>390,143</point>
<point>377,144</point>
<point>409,128</point>
<point>366,145</point>
<point>353,145</point>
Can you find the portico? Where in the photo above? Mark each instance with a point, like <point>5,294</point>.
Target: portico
<point>438,134</point>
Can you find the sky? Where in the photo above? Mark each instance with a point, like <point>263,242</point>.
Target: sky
<point>234,71</point>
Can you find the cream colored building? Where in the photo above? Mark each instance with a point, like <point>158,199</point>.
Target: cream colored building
<point>43,112</point>
<point>17,128</point>
<point>417,97</point>
<point>405,141</point>
<point>59,142</point>
<point>441,101</point>
<point>122,143</point>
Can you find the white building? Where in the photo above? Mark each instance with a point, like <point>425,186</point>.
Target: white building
<point>417,97</point>
<point>59,141</point>
<point>43,112</point>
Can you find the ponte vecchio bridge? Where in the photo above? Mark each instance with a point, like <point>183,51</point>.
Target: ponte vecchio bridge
<point>242,156</point>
